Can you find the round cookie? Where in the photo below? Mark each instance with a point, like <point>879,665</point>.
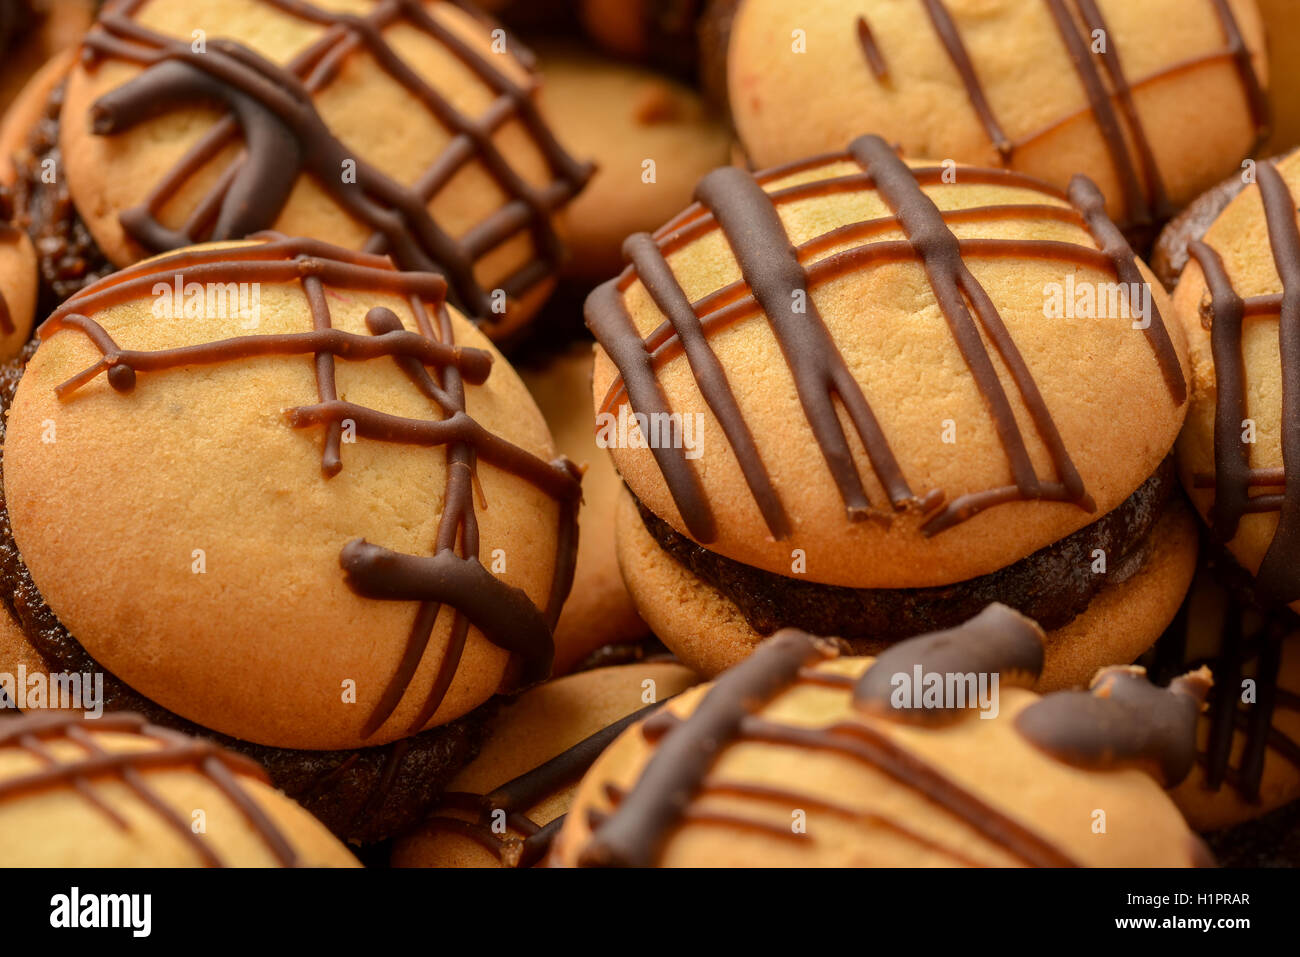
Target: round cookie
<point>599,610</point>
<point>17,282</point>
<point>799,757</point>
<point>1248,741</point>
<point>340,498</point>
<point>1236,303</point>
<point>504,807</point>
<point>757,382</point>
<point>1157,101</point>
<point>651,139</point>
<point>406,130</point>
<point>117,792</point>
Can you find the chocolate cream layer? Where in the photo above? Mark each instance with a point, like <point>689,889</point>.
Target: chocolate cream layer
<point>1053,586</point>
<point>363,795</point>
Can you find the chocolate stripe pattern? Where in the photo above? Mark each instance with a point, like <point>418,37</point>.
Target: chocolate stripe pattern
<point>778,279</point>
<point>452,576</point>
<point>31,733</point>
<point>1234,480</point>
<point>1144,191</point>
<point>679,770</point>
<point>271,109</point>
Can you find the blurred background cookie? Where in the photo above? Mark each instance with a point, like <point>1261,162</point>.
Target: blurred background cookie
<point>1248,741</point>
<point>798,757</point>
<point>506,806</point>
<point>17,281</point>
<point>844,399</point>
<point>345,529</point>
<point>1237,303</point>
<point>650,137</point>
<point>599,611</point>
<point>413,131</point>
<point>1156,101</point>
<point>32,31</point>
<point>117,792</point>
<point>1282,31</point>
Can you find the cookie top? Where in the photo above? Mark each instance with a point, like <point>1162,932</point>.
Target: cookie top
<point>1239,303</point>
<point>282,490</point>
<point>783,319</point>
<point>116,792</point>
<point>505,806</point>
<point>796,757</point>
<point>1157,101</point>
<point>408,128</point>
<point>17,282</point>
<point>651,139</point>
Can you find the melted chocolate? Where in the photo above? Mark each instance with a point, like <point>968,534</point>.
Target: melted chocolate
<point>1234,480</point>
<point>1146,201</point>
<point>1123,721</point>
<point>527,790</point>
<point>452,575</point>
<point>875,59</point>
<point>30,733</point>
<point>996,641</point>
<point>687,749</point>
<point>776,282</point>
<point>271,109</point>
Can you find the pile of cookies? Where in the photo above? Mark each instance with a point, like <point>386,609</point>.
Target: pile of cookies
<point>572,434</point>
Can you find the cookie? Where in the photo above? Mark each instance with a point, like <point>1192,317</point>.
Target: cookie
<point>1248,741</point>
<point>507,805</point>
<point>413,130</point>
<point>1236,302</point>
<point>866,399</point>
<point>118,792</point>
<point>17,282</point>
<point>651,139</point>
<point>1282,28</point>
<point>802,757</point>
<point>599,610</point>
<point>345,522</point>
<point>1156,101</point>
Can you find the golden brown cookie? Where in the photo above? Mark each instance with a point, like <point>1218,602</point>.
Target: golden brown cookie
<point>344,521</point>
<point>504,808</point>
<point>1156,101</point>
<point>17,282</point>
<point>933,754</point>
<point>866,399</point>
<point>117,792</point>
<point>650,137</point>
<point>1237,303</point>
<point>1249,738</point>
<point>1282,31</point>
<point>599,610</point>
<point>412,129</point>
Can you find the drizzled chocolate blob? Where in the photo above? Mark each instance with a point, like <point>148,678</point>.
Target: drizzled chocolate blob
<point>270,110</point>
<point>996,641</point>
<point>32,732</point>
<point>1123,721</point>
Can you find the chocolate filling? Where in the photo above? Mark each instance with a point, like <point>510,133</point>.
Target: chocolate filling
<point>363,795</point>
<point>67,255</point>
<point>1053,585</point>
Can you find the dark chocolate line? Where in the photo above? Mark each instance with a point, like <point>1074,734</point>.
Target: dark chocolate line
<point>1256,97</point>
<point>950,36</point>
<point>875,59</point>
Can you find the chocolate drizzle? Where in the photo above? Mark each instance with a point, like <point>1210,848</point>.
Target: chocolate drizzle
<point>1146,201</point>
<point>527,790</point>
<point>31,732</point>
<point>996,641</point>
<point>452,576</point>
<point>271,109</point>
<point>1234,480</point>
<point>777,282</point>
<point>634,833</point>
<point>875,59</point>
<point>1122,721</point>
